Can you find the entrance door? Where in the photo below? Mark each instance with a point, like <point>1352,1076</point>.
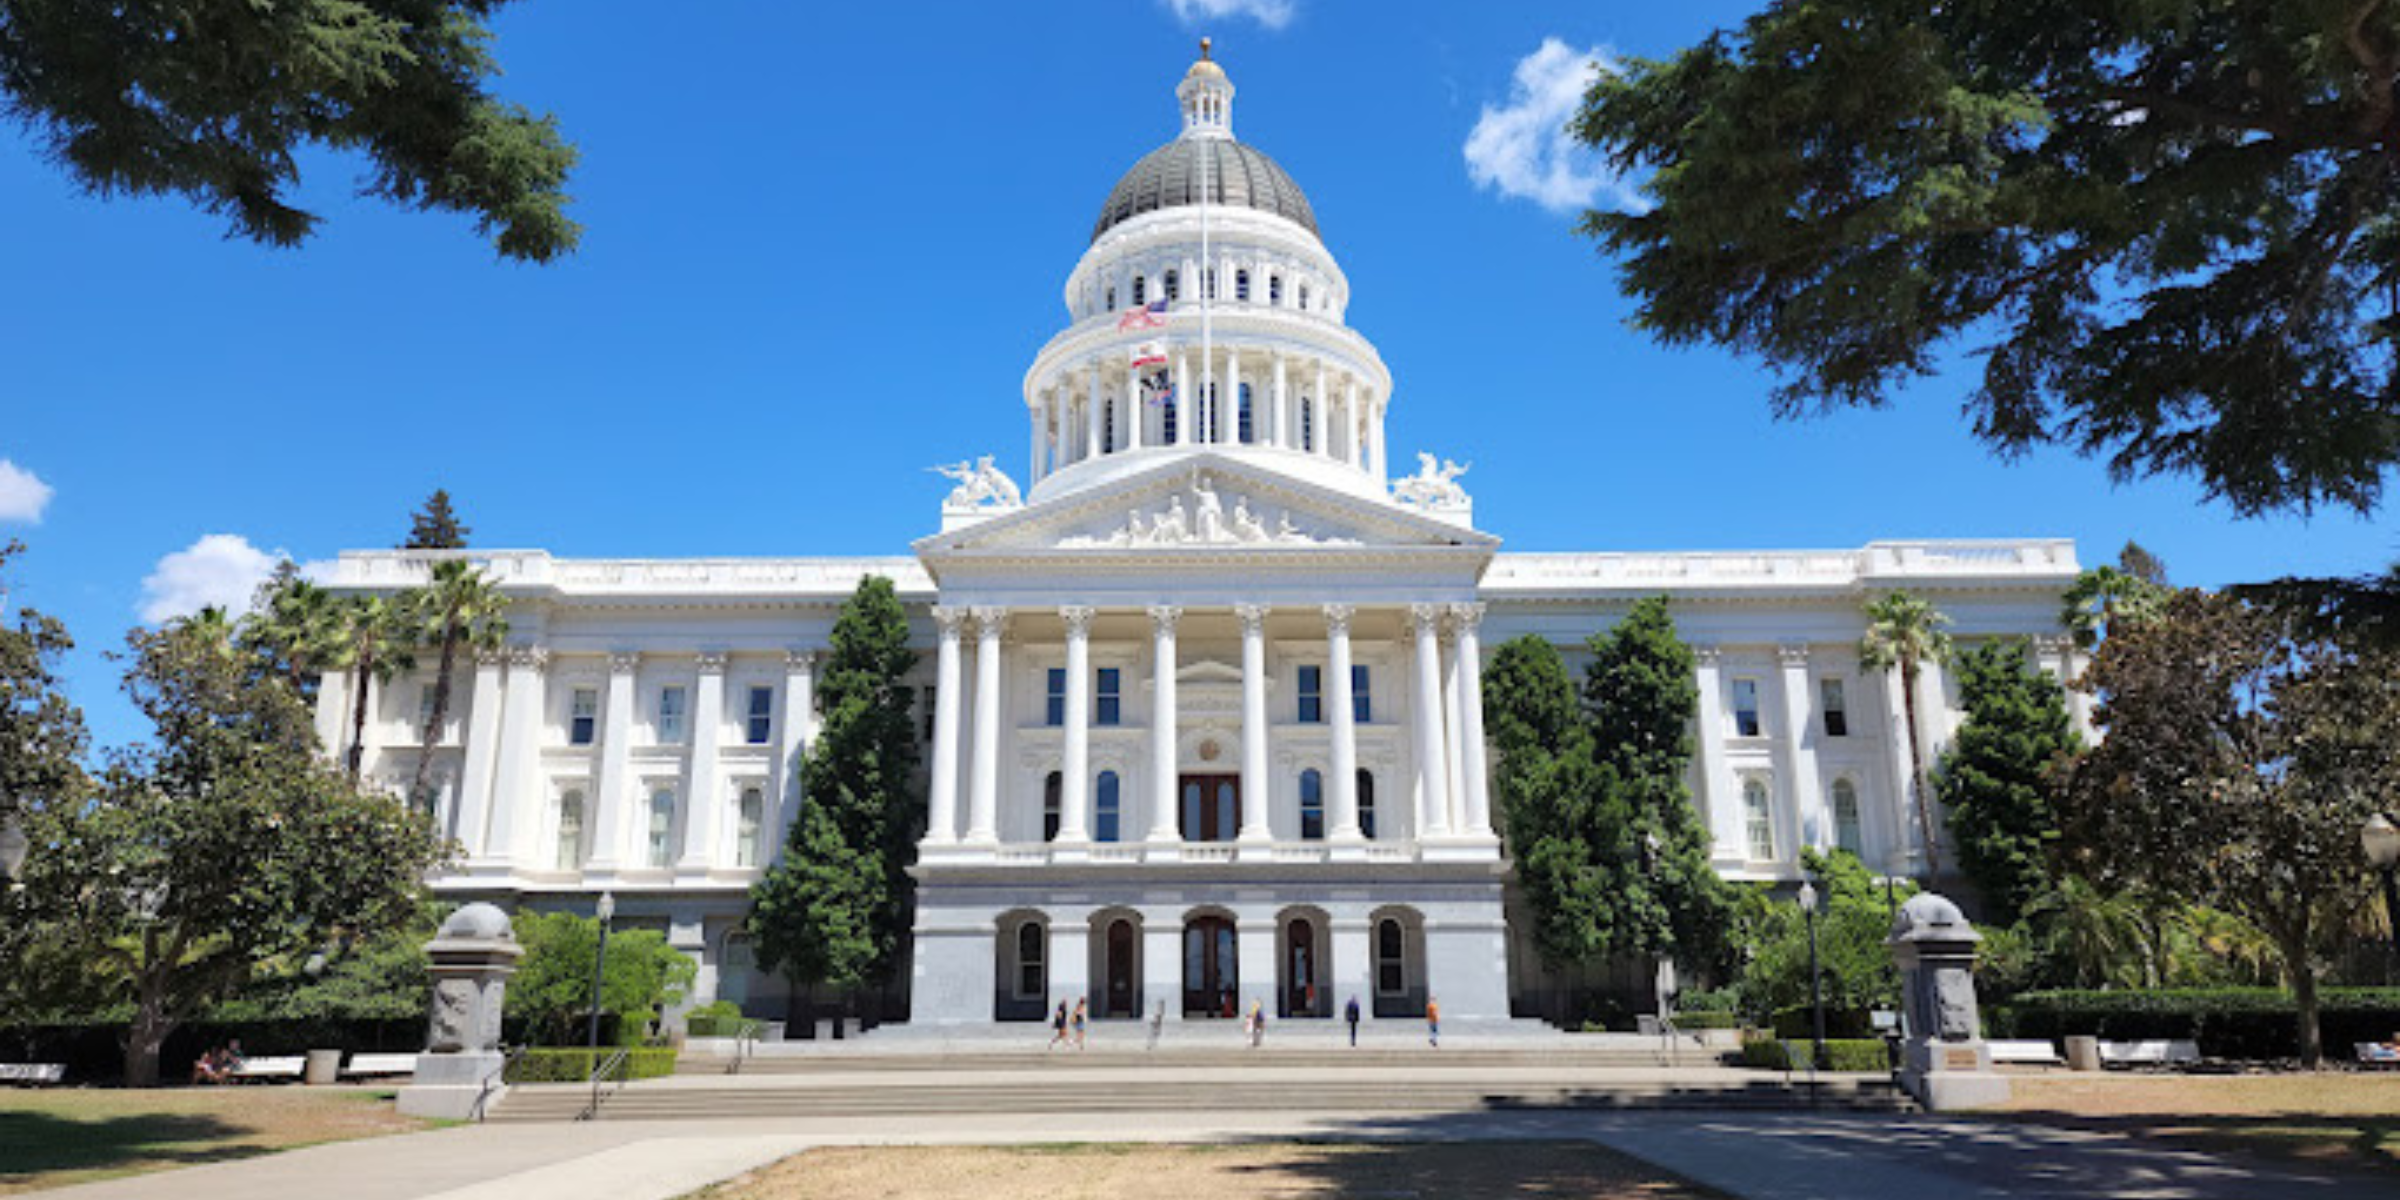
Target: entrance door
<point>1300,968</point>
<point>1211,975</point>
<point>1212,807</point>
<point>1122,999</point>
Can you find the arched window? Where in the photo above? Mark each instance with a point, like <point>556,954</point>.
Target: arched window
<point>1241,286</point>
<point>1758,820</point>
<point>1391,958</point>
<point>1275,290</point>
<point>1366,802</point>
<point>749,834</point>
<point>1846,833</point>
<point>1304,297</point>
<point>1141,291</point>
<point>1032,949</point>
<point>1108,426</point>
<point>1172,285</point>
<point>1107,809</point>
<point>1308,424</point>
<point>1052,787</point>
<point>662,827</point>
<point>570,830</point>
<point>1312,806</point>
<point>1244,427</point>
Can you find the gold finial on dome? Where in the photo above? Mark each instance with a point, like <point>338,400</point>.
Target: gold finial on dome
<point>1203,49</point>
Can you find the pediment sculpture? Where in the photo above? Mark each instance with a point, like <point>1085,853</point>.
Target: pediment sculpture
<point>1204,522</point>
<point>1435,485</point>
<point>981,484</point>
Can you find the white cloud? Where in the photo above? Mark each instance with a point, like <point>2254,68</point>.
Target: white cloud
<point>23,495</point>
<point>1523,148</point>
<point>1274,14</point>
<point>221,569</point>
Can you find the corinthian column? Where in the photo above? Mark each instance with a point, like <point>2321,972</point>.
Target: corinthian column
<point>1468,618</point>
<point>516,793</point>
<point>616,730</point>
<point>941,824</point>
<point>708,720</point>
<point>1254,722</point>
<point>1345,723</point>
<point>475,775</point>
<point>1162,723</point>
<point>1075,774</point>
<point>1425,622</point>
<point>983,800</point>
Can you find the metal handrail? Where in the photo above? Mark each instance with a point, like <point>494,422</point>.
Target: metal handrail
<point>498,1075</point>
<point>745,1042</point>
<point>600,1075</point>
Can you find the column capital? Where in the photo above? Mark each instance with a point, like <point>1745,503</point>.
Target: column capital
<point>1425,618</point>
<point>797,661</point>
<point>1706,655</point>
<point>1253,618</point>
<point>1792,656</point>
<point>1467,617</point>
<point>2052,643</point>
<point>623,662</point>
<point>1337,619</point>
<point>529,657</point>
<point>712,662</point>
<point>1164,616</point>
<point>991,621</point>
<point>1078,618</point>
<point>492,656</point>
<point>952,620</point>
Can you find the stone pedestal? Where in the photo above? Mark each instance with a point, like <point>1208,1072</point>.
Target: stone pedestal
<point>473,956</point>
<point>1944,1062</point>
<point>2083,1053</point>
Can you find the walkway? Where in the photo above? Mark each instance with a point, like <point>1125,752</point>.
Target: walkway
<point>1759,1156</point>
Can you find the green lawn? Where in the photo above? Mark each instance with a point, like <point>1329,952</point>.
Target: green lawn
<point>52,1138</point>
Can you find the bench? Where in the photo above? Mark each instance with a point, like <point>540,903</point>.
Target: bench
<point>2150,1053</point>
<point>2376,1054</point>
<point>291,1067</point>
<point>364,1065</point>
<point>32,1074</point>
<point>2037,1052</point>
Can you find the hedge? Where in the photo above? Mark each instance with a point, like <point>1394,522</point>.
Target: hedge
<point>2238,1023</point>
<point>1688,1021</point>
<point>714,1025</point>
<point>576,1065</point>
<point>1800,1021</point>
<point>1842,1054</point>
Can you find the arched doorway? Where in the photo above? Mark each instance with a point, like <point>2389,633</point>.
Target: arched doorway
<point>1022,978</point>
<point>1121,989</point>
<point>1306,993</point>
<point>1211,967</point>
<point>1398,949</point>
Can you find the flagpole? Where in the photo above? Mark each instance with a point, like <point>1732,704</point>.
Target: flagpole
<point>1206,408</point>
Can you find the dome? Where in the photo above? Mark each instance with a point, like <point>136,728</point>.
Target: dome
<point>1237,175</point>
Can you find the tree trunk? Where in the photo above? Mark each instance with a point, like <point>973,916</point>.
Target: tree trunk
<point>1916,769</point>
<point>2303,974</point>
<point>144,1040</point>
<point>358,716</point>
<point>440,714</point>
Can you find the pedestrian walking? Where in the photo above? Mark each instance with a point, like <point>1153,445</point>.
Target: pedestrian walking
<point>1158,1024</point>
<point>1350,1014</point>
<point>1433,1022</point>
<point>1258,1023</point>
<point>1082,1017</point>
<point>1058,1025</point>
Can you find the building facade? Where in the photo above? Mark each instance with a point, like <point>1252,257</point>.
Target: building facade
<point>1202,706</point>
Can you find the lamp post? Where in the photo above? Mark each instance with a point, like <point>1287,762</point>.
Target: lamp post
<point>606,910</point>
<point>1816,991</point>
<point>2382,841</point>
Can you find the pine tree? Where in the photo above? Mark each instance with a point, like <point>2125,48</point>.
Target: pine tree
<point>832,911</point>
<point>1996,778</point>
<point>436,526</point>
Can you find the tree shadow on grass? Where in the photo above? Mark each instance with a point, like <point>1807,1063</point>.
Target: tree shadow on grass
<point>2343,1140</point>
<point>1531,1169</point>
<point>34,1144</point>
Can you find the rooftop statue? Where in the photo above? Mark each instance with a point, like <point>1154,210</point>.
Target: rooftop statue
<point>1435,485</point>
<point>980,483</point>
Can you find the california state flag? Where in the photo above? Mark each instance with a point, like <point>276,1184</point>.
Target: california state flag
<point>1149,354</point>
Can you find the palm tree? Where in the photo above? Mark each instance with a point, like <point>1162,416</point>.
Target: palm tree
<point>373,646</point>
<point>302,626</point>
<point>1904,632</point>
<point>459,607</point>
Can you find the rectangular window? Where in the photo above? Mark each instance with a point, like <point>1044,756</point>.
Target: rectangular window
<point>1109,700</point>
<point>583,716</point>
<point>1837,712</point>
<point>569,855</point>
<point>1312,806</point>
<point>1312,695</point>
<point>925,717</point>
<point>759,724</point>
<point>748,838</point>
<point>670,715</point>
<point>662,827</point>
<point>424,707</point>
<point>1745,707</point>
<point>1758,820</point>
<point>1362,697</point>
<point>1054,703</point>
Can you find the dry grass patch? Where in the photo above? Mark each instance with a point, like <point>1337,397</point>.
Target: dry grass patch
<point>1385,1171</point>
<point>55,1138</point>
<point>2332,1117</point>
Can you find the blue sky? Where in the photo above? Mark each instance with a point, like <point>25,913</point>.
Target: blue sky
<point>822,244</point>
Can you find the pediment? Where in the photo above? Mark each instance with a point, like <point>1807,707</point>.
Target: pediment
<point>1205,505</point>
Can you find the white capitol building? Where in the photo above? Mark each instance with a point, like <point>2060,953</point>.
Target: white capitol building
<point>1205,701</point>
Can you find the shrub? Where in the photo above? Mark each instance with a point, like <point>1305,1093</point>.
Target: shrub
<point>1699,1000</point>
<point>718,1025</point>
<point>2251,1023</point>
<point>1690,1020</point>
<point>1842,1054</point>
<point>576,1065</point>
<point>1801,1022</point>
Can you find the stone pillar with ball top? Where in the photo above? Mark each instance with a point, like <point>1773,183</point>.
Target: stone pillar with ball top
<point>473,955</point>
<point>1944,1062</point>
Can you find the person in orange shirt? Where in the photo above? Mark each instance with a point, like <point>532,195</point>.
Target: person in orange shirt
<point>1433,1022</point>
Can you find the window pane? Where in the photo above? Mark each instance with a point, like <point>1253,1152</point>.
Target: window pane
<point>1837,713</point>
<point>1362,696</point>
<point>670,714</point>
<point>1745,707</point>
<point>1759,819</point>
<point>1312,695</point>
<point>1105,808</point>
<point>1052,786</point>
<point>1054,706</point>
<point>753,819</point>
<point>1366,803</point>
<point>1312,806</point>
<point>662,827</point>
<point>1846,833</point>
<point>1110,704</point>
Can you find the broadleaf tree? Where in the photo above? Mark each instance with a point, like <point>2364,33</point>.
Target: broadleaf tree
<point>1997,780</point>
<point>832,911</point>
<point>42,736</point>
<point>2239,761</point>
<point>552,989</point>
<point>2168,230</point>
<point>220,104</point>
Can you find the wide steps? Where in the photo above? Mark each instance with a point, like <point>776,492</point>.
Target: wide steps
<point>1110,1092</point>
<point>1312,1059</point>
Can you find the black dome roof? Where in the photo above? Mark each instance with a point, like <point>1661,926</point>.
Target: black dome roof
<point>1237,174</point>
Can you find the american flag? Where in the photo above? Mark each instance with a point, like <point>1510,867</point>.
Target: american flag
<point>1148,316</point>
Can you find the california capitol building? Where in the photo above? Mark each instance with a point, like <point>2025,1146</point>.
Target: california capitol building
<point>1202,705</point>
